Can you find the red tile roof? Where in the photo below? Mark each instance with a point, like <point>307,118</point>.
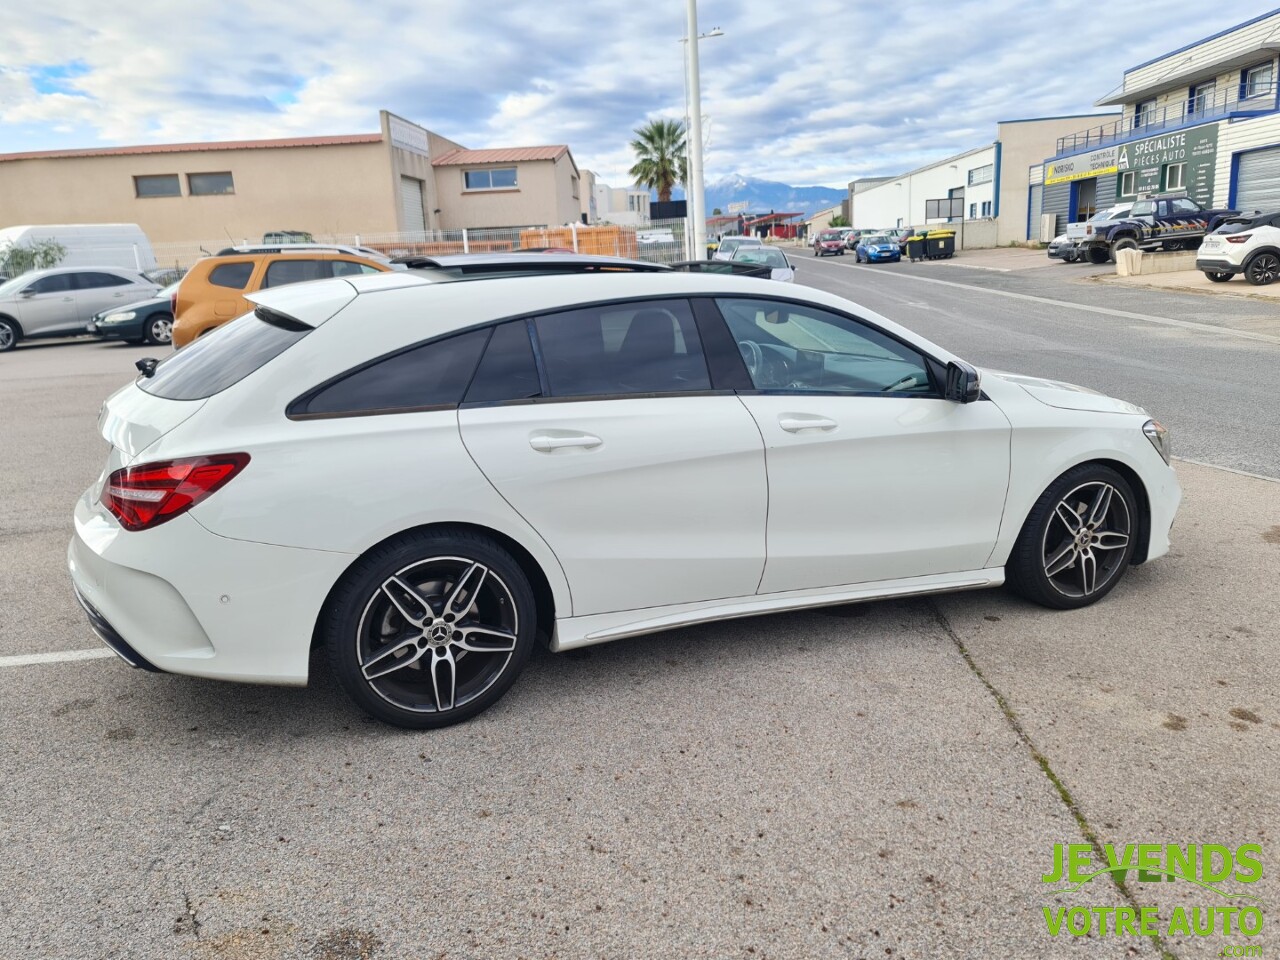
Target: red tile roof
<point>195,147</point>
<point>501,155</point>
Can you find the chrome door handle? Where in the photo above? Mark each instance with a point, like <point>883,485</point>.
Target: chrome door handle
<point>67,299</point>
<point>545,443</point>
<point>795,422</point>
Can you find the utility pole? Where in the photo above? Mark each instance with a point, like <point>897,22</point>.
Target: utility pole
<point>693,138</point>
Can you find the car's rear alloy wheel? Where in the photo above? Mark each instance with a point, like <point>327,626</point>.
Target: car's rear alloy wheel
<point>1077,540</point>
<point>431,630</point>
<point>160,329</point>
<point>1262,268</point>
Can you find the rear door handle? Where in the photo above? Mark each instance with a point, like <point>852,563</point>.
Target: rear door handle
<point>795,422</point>
<point>546,443</point>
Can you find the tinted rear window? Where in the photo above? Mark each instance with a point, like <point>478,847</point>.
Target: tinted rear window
<point>222,357</point>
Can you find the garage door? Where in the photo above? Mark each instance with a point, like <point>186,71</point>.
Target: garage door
<point>413,214</point>
<point>1258,181</point>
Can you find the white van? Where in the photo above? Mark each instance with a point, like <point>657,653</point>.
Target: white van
<point>121,245</point>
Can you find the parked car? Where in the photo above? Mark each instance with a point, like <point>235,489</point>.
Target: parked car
<point>780,268</point>
<point>367,252</point>
<point>1243,245</point>
<point>882,248</point>
<point>828,242</point>
<point>1168,222</point>
<point>60,301</point>
<point>727,246</point>
<point>147,321</point>
<point>902,235</point>
<point>1066,246</point>
<point>385,466</point>
<point>214,290</point>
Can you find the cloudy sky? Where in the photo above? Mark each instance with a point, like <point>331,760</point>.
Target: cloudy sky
<point>809,92</point>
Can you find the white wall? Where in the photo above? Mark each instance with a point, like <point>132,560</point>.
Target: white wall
<point>1235,138</point>
<point>903,198</point>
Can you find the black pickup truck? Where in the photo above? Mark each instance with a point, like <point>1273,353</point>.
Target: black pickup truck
<point>1159,223</point>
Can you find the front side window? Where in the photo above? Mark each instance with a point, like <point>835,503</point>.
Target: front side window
<point>649,347</point>
<point>1144,208</point>
<point>210,184</point>
<point>94,281</point>
<point>57,283</point>
<point>499,178</point>
<point>1182,206</point>
<point>234,276</point>
<point>430,375</point>
<point>162,185</point>
<point>1258,81</point>
<point>794,348</point>
<point>281,273</point>
<point>349,268</point>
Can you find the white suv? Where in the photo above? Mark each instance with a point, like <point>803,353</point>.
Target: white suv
<point>1248,246</point>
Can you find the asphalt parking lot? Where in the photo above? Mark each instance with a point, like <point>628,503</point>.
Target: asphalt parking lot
<point>878,780</point>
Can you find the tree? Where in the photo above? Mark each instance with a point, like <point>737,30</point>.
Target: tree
<point>17,259</point>
<point>716,212</point>
<point>839,220</point>
<point>660,157</point>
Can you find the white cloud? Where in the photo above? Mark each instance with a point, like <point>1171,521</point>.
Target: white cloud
<point>816,92</point>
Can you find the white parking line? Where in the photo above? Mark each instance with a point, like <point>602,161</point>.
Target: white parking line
<point>61,656</point>
<point>1106,311</point>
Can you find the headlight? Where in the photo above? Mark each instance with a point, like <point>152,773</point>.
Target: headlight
<point>119,317</point>
<point>1159,438</point>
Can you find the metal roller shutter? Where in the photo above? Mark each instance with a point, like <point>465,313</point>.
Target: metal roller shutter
<point>1034,204</point>
<point>1258,181</point>
<point>413,213</point>
<point>1057,200</point>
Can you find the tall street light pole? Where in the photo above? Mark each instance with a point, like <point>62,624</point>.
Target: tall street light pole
<point>693,142</point>
<point>694,252</point>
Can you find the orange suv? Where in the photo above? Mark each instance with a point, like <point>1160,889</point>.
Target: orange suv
<point>213,291</point>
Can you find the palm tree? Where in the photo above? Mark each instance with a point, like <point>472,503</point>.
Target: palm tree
<point>660,157</point>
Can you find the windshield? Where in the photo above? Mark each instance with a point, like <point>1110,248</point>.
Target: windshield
<point>766,255</point>
<point>876,241</point>
<point>829,236</point>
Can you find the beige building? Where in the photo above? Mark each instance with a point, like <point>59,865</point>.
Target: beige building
<point>404,178</point>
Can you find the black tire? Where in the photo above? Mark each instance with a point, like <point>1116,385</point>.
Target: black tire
<point>159,329</point>
<point>366,629</point>
<point>10,334</point>
<point>1218,277</point>
<point>1262,268</point>
<point>1099,255</point>
<point>1124,243</point>
<point>839,253</point>
<point>1047,540</point>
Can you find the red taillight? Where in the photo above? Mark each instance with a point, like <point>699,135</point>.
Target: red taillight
<point>148,495</point>
<point>1238,237</point>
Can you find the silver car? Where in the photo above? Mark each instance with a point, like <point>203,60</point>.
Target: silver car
<point>60,301</point>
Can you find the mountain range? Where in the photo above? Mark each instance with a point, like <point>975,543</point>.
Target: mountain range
<point>764,195</point>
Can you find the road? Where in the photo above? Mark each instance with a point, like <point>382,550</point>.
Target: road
<point>1201,373</point>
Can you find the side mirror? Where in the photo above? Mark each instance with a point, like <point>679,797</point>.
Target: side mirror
<point>963,383</point>
<point>27,294</point>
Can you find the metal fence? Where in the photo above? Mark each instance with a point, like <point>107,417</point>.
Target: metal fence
<point>662,241</point>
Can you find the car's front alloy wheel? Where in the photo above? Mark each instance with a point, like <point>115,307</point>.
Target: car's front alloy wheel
<point>8,335</point>
<point>1077,541</point>
<point>431,630</point>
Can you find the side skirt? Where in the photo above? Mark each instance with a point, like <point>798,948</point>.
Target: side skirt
<point>602,627</point>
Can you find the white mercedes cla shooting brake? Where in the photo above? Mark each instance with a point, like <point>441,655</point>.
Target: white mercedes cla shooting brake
<point>429,475</point>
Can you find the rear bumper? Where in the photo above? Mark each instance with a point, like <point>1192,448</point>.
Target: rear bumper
<point>180,599</point>
<point>1208,265</point>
